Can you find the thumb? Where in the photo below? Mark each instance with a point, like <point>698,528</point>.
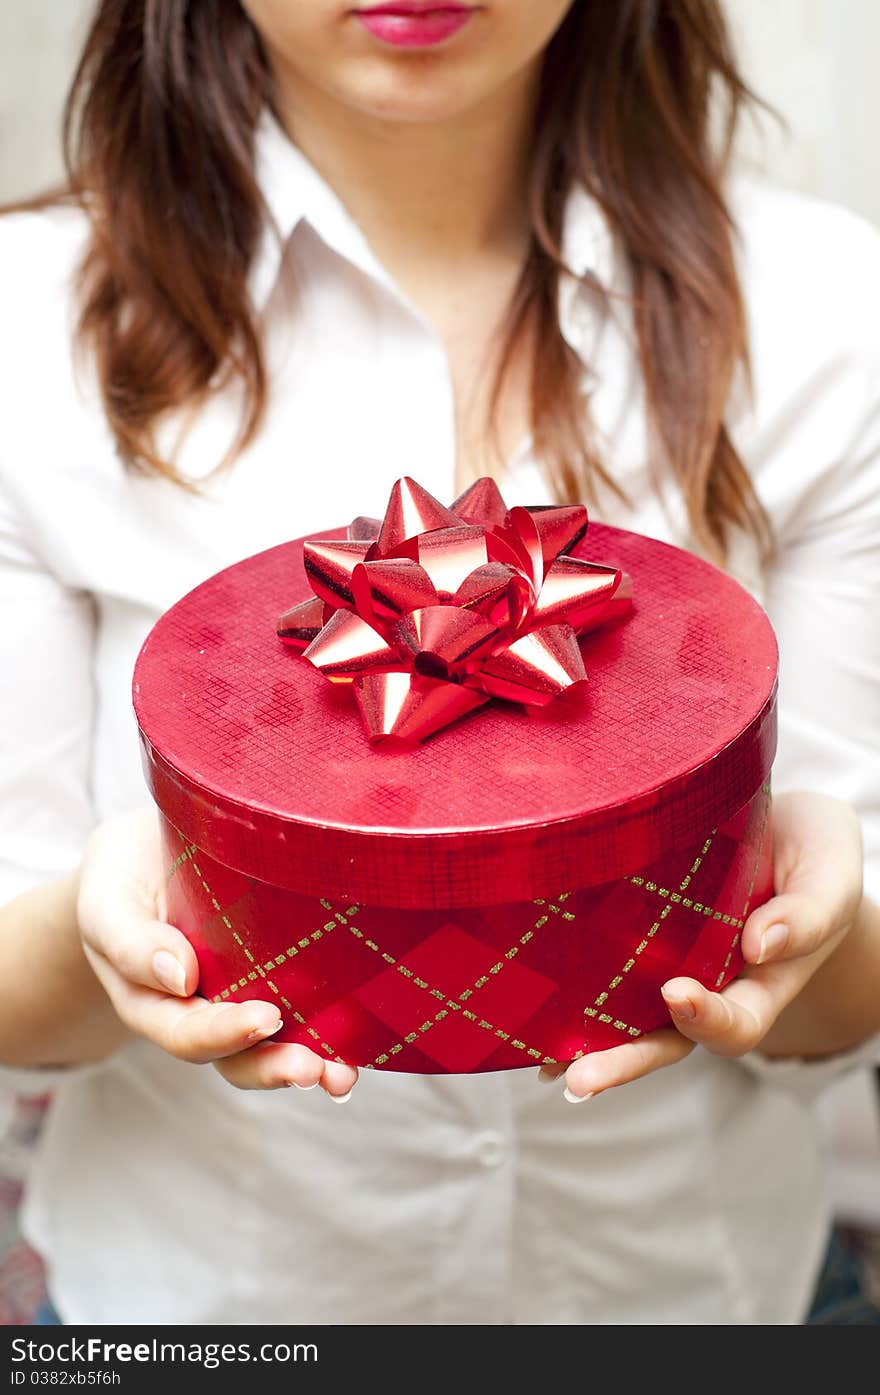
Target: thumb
<point>817,871</point>
<point>146,952</point>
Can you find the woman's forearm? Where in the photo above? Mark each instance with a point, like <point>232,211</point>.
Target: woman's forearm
<point>840,1006</point>
<point>53,1010</point>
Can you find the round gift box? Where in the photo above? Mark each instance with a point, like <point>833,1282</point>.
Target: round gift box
<point>513,890</point>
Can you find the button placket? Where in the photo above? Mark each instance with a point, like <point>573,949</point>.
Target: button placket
<point>424,424</point>
<point>473,1274</point>
<point>491,1149</point>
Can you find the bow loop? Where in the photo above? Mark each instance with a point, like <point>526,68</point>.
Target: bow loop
<point>389,587</point>
<point>433,611</point>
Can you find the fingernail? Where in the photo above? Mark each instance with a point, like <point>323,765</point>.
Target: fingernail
<point>258,1033</point>
<point>683,1008</point>
<point>297,1085</point>
<point>341,1099</point>
<point>575,1099</point>
<point>546,1078</point>
<point>680,1007</point>
<point>169,972</point>
<point>774,939</point>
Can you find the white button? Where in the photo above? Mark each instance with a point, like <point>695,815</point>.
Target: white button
<point>491,1149</point>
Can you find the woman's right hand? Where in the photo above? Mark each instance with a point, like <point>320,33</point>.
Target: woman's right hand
<point>149,971</point>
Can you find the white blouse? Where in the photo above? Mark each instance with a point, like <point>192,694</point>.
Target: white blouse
<point>160,1193</point>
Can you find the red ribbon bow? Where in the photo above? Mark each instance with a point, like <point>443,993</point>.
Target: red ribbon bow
<point>434,611</point>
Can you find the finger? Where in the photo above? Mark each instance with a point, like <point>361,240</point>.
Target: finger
<point>724,1024</point>
<point>548,1075</point>
<point>145,951</point>
<point>272,1067</point>
<point>602,1070</point>
<point>817,868</point>
<point>191,1029</point>
<point>338,1081</point>
<point>278,1065</point>
<point>736,1020</point>
<point>197,1031</point>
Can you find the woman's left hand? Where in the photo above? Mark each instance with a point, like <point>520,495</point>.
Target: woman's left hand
<point>817,873</point>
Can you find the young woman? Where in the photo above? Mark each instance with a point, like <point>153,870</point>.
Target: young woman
<point>307,249</point>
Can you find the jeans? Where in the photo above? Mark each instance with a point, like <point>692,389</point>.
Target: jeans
<point>840,1299</point>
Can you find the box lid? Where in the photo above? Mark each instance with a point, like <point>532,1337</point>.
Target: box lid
<point>261,762</point>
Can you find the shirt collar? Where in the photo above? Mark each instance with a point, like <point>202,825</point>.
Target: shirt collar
<point>295,192</point>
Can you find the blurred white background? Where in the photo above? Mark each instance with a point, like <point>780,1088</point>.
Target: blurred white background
<point>814,60</point>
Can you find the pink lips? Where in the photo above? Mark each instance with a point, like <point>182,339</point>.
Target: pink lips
<point>410,24</point>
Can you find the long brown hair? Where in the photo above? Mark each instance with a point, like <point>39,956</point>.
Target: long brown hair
<point>159,140</point>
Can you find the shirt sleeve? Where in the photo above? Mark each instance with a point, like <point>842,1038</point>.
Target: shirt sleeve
<point>810,438</point>
<point>823,597</point>
<point>819,464</point>
<point>807,1078</point>
<point>46,714</point>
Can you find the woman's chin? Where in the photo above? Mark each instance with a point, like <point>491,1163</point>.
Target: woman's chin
<point>417,96</point>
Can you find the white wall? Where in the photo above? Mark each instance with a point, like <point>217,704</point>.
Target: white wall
<point>39,41</point>
<point>816,60</point>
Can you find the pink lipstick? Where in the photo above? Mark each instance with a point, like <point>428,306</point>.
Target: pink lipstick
<point>411,24</point>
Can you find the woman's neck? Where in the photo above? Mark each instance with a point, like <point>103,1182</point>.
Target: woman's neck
<point>444,208</point>
<point>423,192</point>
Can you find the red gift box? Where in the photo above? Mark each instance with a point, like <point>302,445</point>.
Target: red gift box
<point>513,890</point>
